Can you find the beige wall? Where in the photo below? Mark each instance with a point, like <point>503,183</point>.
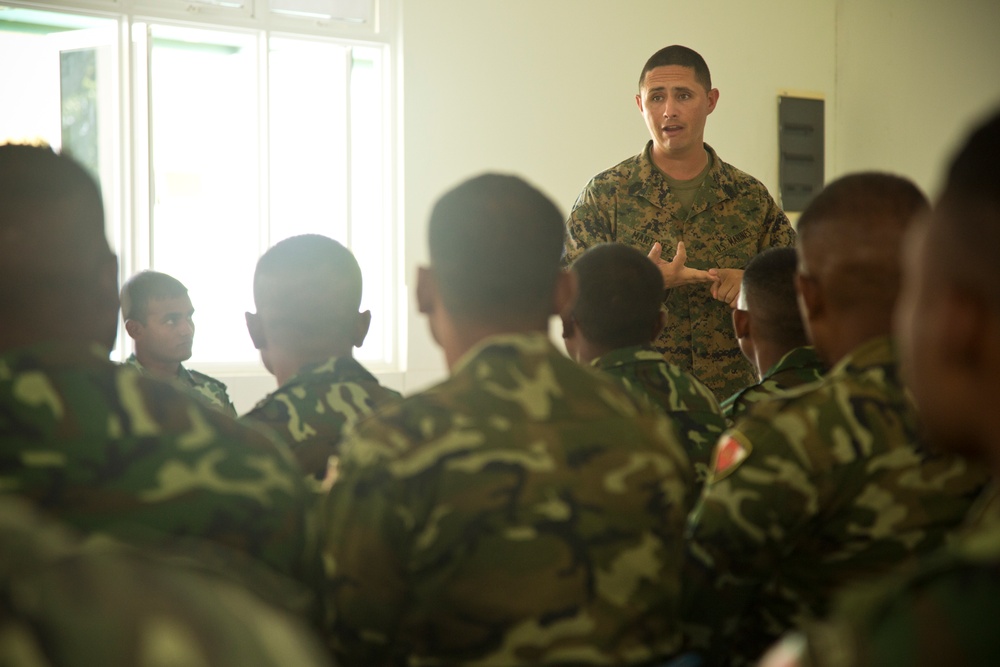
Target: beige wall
<point>546,90</point>
<point>911,76</point>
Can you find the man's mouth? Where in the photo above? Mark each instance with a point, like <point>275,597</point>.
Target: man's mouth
<point>672,128</point>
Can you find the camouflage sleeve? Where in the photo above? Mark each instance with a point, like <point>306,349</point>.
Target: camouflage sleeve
<point>760,493</point>
<point>589,223</point>
<point>778,231</point>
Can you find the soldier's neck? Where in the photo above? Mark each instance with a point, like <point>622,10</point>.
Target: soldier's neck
<point>165,370</point>
<point>285,363</point>
<point>682,167</point>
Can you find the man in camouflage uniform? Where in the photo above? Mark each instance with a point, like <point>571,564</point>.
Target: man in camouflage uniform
<point>526,511</point>
<point>948,323</point>
<point>307,290</point>
<point>99,445</point>
<point>770,332</point>
<point>616,316</point>
<point>829,483</point>
<point>678,193</point>
<point>64,604</point>
<point>158,316</point>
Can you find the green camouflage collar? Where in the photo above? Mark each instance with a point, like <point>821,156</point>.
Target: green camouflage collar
<point>648,182</point>
<point>799,357</point>
<point>625,356</point>
<point>534,344</point>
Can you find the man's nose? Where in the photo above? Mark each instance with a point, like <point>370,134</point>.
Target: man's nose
<point>187,327</point>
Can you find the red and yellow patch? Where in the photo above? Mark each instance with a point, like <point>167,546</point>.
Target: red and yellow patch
<point>732,450</point>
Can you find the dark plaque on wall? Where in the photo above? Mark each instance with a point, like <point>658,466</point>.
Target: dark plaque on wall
<point>800,150</point>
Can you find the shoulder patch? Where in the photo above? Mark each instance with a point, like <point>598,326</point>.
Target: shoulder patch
<point>732,450</point>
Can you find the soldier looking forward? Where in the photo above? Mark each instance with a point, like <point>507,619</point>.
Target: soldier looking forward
<point>525,511</point>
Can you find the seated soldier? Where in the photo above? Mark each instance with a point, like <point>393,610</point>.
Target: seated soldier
<point>527,510</point>
<point>770,332</point>
<point>158,316</point>
<point>67,602</point>
<point>829,483</point>
<point>307,290</point>
<point>948,324</point>
<point>99,445</point>
<point>613,322</point>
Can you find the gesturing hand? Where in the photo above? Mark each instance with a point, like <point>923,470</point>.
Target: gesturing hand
<point>675,273</point>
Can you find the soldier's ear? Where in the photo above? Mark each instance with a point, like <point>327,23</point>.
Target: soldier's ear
<point>134,328</point>
<point>564,295</point>
<point>361,327</point>
<point>427,290</point>
<point>812,302</point>
<point>741,323</point>
<point>660,324</point>
<point>256,330</point>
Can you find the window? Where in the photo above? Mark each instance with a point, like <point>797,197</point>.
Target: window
<point>214,139</point>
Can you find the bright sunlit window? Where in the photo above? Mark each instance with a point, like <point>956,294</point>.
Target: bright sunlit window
<point>215,138</point>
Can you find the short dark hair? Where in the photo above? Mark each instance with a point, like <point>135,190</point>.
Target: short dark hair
<point>619,296</point>
<point>969,211</point>
<point>309,282</point>
<point>144,286</point>
<point>769,289</point>
<point>495,247</point>
<point>678,55</point>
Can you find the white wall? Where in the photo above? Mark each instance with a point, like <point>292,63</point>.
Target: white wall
<point>546,90</point>
<point>911,76</point>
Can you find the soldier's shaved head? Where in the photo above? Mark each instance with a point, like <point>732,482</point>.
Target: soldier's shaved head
<point>849,244</point>
<point>495,246</point>
<point>307,288</point>
<point>768,293</point>
<point>58,273</point>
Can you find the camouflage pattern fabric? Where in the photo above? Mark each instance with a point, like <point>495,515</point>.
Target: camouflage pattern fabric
<point>944,614</point>
<point>63,603</point>
<point>526,511</point>
<point>798,367</point>
<point>312,410</point>
<point>199,385</point>
<point>815,489</point>
<point>733,218</point>
<point>104,448</point>
<point>688,403</point>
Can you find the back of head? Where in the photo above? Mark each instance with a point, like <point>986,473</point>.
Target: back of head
<point>619,296</point>
<point>966,226</point>
<point>768,294</point>
<point>850,239</point>
<point>307,288</point>
<point>495,246</point>
<point>58,274</point>
<point>144,286</point>
<point>681,56</point>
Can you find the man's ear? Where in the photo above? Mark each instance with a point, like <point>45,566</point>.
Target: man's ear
<point>713,99</point>
<point>638,102</point>
<point>741,323</point>
<point>660,324</point>
<point>364,322</point>
<point>812,301</point>
<point>427,290</point>
<point>564,295</point>
<point>134,328</point>
<point>256,330</point>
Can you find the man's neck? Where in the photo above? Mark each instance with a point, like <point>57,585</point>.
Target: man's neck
<point>463,338</point>
<point>681,167</point>
<point>286,364</point>
<point>166,370</point>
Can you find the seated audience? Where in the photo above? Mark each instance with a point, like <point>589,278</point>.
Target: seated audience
<point>770,331</point>
<point>67,603</point>
<point>829,483</point>
<point>527,510</point>
<point>307,290</point>
<point>948,324</point>
<point>612,325</point>
<point>158,316</point>
<point>99,445</point>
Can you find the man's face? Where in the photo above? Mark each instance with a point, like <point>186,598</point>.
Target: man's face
<point>168,335</point>
<point>675,106</point>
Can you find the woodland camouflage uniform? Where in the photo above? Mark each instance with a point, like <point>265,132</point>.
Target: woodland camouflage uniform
<point>199,385</point>
<point>526,511</point>
<point>312,411</point>
<point>688,403</point>
<point>818,488</point>
<point>732,219</point>
<point>798,367</point>
<point>105,449</point>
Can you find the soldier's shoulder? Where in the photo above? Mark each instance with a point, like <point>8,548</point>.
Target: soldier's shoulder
<point>207,380</point>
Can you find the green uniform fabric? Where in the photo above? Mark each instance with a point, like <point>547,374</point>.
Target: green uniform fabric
<point>732,219</point>
<point>314,408</point>
<point>813,490</point>
<point>197,384</point>
<point>63,604</point>
<point>106,449</point>
<point>943,614</point>
<point>798,367</point>
<point>526,511</point>
<point>689,404</point>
